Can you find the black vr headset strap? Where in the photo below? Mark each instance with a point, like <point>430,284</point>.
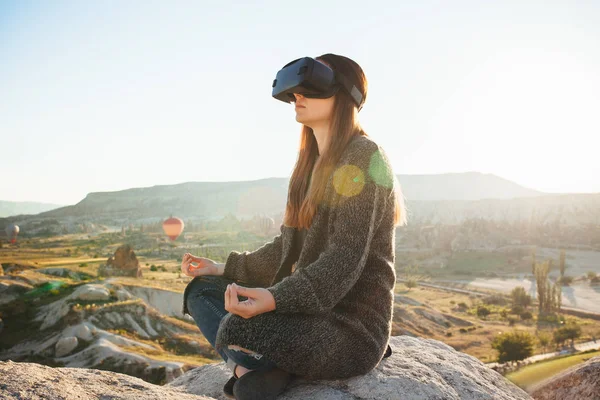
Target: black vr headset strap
<point>356,95</point>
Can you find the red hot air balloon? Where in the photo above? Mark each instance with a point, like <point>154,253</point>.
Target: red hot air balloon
<point>173,227</point>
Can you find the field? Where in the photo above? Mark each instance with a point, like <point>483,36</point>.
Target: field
<point>475,339</point>
<point>531,375</point>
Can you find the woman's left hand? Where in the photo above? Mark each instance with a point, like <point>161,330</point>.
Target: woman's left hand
<point>259,301</point>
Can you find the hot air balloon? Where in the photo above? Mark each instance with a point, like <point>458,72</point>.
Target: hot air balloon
<point>173,227</point>
<point>12,231</point>
<point>265,224</point>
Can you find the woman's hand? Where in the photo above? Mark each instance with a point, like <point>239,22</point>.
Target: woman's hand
<point>205,266</point>
<point>259,301</point>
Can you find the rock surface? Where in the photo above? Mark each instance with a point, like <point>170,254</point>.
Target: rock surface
<point>581,382</point>
<point>51,313</point>
<point>65,345</point>
<point>25,381</point>
<point>123,295</point>
<point>91,292</point>
<point>12,289</point>
<point>423,369</point>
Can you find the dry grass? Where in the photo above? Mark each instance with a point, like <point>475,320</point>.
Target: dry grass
<point>530,375</point>
<point>477,342</point>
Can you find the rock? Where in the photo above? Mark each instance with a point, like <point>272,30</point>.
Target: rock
<point>11,290</point>
<point>35,381</point>
<point>124,263</point>
<point>166,301</point>
<point>81,331</point>
<point>581,382</point>
<point>65,345</point>
<point>123,294</point>
<point>16,268</point>
<point>423,369</point>
<point>51,313</point>
<point>91,292</point>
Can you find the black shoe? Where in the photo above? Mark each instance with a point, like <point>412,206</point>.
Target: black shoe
<point>228,388</point>
<point>261,384</point>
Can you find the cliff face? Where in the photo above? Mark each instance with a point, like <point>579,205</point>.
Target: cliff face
<point>422,369</point>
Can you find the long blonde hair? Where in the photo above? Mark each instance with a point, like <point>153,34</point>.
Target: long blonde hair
<point>304,195</point>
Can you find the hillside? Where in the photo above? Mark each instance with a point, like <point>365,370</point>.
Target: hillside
<point>448,199</point>
<point>212,200</point>
<point>462,186</point>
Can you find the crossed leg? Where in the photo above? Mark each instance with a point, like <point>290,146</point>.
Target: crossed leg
<point>237,369</point>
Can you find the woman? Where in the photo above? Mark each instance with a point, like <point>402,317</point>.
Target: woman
<point>317,300</point>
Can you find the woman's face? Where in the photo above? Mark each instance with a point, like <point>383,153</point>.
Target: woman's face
<point>313,112</point>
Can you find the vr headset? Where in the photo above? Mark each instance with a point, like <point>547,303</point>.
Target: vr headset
<point>312,79</point>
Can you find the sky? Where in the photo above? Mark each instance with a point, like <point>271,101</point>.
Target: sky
<point>106,96</point>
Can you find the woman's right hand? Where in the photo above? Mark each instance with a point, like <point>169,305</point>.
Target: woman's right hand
<point>205,266</point>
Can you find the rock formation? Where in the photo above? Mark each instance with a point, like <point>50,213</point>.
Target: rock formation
<point>11,289</point>
<point>124,263</point>
<point>34,381</point>
<point>423,369</point>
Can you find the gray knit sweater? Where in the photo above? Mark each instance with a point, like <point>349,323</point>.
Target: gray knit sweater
<point>333,315</point>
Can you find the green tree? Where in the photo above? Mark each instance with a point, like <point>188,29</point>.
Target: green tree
<point>549,296</point>
<point>566,280</point>
<point>513,346</point>
<point>410,276</point>
<point>520,297</point>
<point>483,311</point>
<point>541,278</point>
<point>526,315</point>
<point>562,263</point>
<point>544,338</point>
<point>570,331</point>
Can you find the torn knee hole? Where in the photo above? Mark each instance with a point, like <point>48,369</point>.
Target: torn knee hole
<point>234,347</point>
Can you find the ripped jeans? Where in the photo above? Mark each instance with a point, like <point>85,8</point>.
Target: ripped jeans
<point>206,304</point>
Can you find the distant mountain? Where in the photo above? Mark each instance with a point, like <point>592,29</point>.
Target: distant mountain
<point>10,208</point>
<point>461,186</point>
<point>445,199</point>
<point>206,200</point>
<point>247,198</point>
<point>568,209</point>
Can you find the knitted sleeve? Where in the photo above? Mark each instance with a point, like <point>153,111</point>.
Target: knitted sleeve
<point>256,268</point>
<point>363,187</point>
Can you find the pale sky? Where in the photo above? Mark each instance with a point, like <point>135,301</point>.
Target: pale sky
<point>110,95</point>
